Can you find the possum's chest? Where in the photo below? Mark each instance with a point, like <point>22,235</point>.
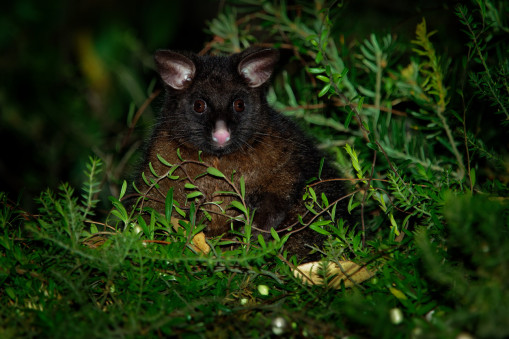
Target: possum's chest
<point>208,181</point>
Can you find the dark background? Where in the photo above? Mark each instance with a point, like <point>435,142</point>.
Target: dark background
<point>71,71</point>
<point>74,71</point>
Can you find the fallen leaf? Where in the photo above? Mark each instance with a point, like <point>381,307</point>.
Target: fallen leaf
<point>312,273</point>
<point>397,293</point>
<point>198,243</point>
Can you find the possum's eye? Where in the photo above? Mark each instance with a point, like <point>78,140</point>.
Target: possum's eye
<point>239,106</point>
<point>199,106</point>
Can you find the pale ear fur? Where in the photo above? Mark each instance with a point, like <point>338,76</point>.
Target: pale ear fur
<point>175,69</point>
<point>258,66</point>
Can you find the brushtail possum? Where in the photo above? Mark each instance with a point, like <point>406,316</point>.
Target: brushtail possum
<point>217,105</point>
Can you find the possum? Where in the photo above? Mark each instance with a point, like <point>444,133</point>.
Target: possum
<point>215,112</point>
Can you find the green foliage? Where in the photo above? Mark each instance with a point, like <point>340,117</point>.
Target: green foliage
<point>474,274</point>
<point>480,33</point>
<point>415,130</point>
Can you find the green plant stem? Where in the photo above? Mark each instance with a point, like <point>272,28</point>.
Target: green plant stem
<point>461,170</point>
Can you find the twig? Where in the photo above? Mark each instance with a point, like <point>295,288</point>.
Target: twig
<point>339,103</point>
<point>138,114</point>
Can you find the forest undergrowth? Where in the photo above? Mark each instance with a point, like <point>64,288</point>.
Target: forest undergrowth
<point>420,138</point>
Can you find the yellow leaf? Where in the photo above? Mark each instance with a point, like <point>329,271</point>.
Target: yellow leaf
<point>198,243</point>
<point>397,293</point>
<point>349,272</point>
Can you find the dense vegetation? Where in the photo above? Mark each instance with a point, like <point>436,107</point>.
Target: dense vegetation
<point>416,122</point>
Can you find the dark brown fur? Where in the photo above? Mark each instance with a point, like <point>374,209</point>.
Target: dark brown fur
<point>269,150</point>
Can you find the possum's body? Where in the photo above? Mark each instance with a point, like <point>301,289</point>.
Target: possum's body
<point>217,105</point>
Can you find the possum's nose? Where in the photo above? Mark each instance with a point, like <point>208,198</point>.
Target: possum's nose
<point>220,134</point>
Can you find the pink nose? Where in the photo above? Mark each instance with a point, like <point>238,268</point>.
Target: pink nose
<point>220,135</point>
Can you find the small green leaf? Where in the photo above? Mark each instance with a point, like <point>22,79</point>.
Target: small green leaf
<point>301,221</point>
<point>322,78</point>
<point>316,70</point>
<point>333,212</point>
<point>359,105</point>
<point>135,188</point>
<point>311,37</point>
<point>274,234</point>
<point>319,55</point>
<point>10,292</point>
<point>215,172</point>
<point>325,201</point>
<point>119,210</point>
<point>349,117</point>
<point>207,215</point>
<point>337,78</point>
<point>318,229</point>
<point>312,193</point>
<point>370,65</point>
<point>170,173</point>
<point>118,215</point>
<point>123,190</point>
<point>239,206</point>
<point>188,185</point>
<point>163,161</point>
<point>143,225</point>
<point>261,241</point>
<point>145,179</point>
<point>242,187</point>
<point>351,204</point>
<point>310,208</point>
<point>320,223</point>
<point>180,211</point>
<point>324,90</point>
<point>152,170</point>
<point>194,194</point>
<point>472,176</point>
<point>365,124</point>
<point>324,37</point>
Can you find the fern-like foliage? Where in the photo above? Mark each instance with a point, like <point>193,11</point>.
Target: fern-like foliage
<point>408,197</point>
<point>433,84</point>
<point>480,32</point>
<point>63,215</point>
<point>432,68</point>
<point>92,186</point>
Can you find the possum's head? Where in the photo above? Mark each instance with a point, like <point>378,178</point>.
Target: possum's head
<point>215,103</point>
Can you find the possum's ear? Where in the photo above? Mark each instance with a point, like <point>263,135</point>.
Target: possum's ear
<point>175,69</point>
<point>257,67</point>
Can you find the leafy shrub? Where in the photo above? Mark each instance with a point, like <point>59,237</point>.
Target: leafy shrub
<point>429,188</point>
